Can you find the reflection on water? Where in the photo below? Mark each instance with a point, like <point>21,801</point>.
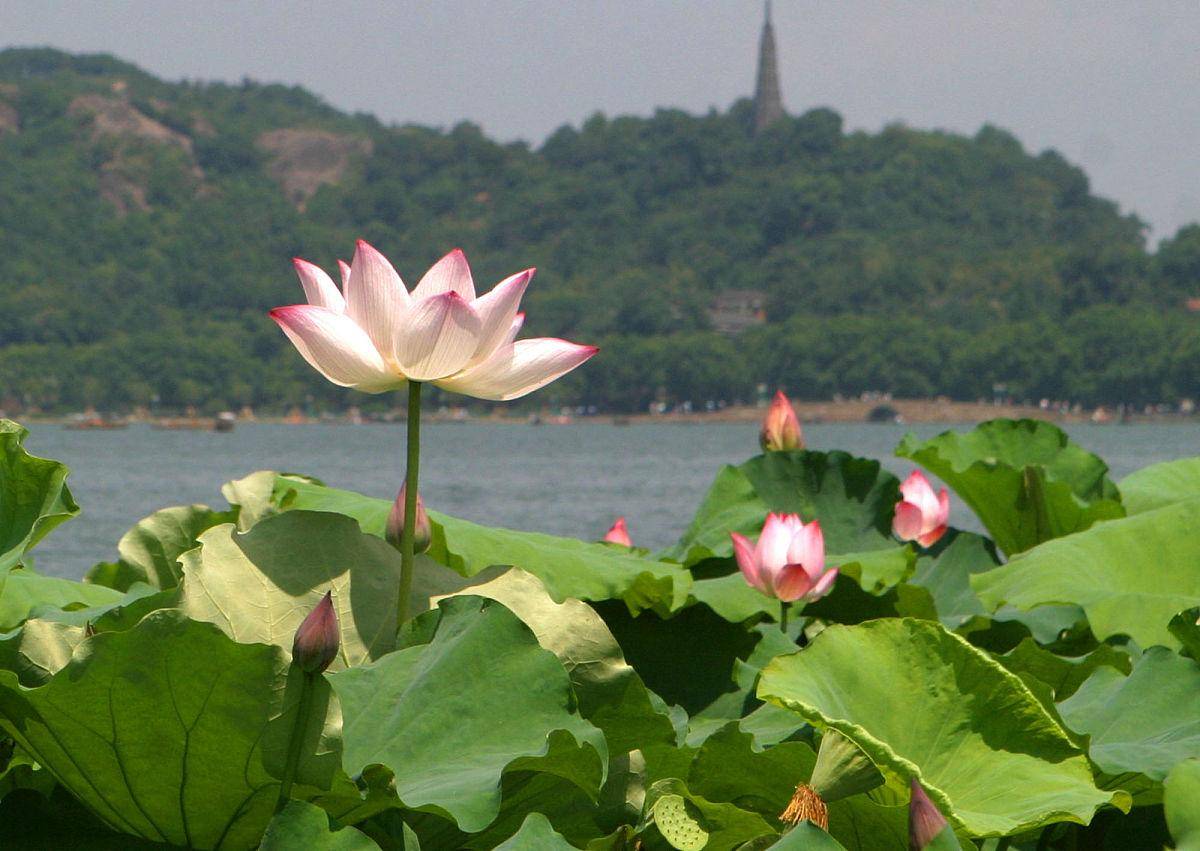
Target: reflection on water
<point>566,480</point>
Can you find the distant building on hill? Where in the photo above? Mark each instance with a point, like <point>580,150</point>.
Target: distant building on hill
<point>733,311</point>
<point>768,101</point>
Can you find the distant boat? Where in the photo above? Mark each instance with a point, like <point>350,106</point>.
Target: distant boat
<point>96,423</point>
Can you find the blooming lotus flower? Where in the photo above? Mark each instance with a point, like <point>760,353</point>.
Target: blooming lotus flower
<point>394,529</point>
<point>780,428</point>
<point>788,562</point>
<point>922,515</point>
<point>925,821</point>
<point>374,335</point>
<point>317,639</point>
<point>618,533</point>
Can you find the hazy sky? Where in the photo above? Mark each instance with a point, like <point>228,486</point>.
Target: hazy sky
<point>1112,85</point>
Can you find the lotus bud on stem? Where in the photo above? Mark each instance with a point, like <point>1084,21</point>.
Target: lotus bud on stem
<point>394,532</point>
<point>618,533</point>
<point>781,427</point>
<point>314,647</point>
<point>925,821</point>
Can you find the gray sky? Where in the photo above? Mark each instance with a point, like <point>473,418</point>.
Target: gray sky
<point>1112,85</point>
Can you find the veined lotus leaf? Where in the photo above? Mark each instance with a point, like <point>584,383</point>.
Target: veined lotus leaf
<point>1131,576</point>
<point>259,585</point>
<point>921,702</point>
<point>172,732</point>
<point>1025,479</point>
<point>150,551</point>
<point>1142,723</point>
<point>302,825</point>
<point>1181,800</point>
<point>852,497</point>
<point>34,497</point>
<point>471,696</point>
<point>1161,484</point>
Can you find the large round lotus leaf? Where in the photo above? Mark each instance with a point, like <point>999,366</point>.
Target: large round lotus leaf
<point>852,497</point>
<point>1142,723</point>
<point>1025,479</point>
<point>302,825</point>
<point>173,732</point>
<point>1181,800</point>
<point>34,497</point>
<point>1161,484</point>
<point>448,716</point>
<point>1131,576</point>
<point>567,567</point>
<point>922,702</point>
<point>150,551</point>
<point>258,586</point>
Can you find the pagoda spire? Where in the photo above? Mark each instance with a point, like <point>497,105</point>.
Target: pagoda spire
<point>768,102</point>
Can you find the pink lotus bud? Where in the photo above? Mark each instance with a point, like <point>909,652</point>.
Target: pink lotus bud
<point>788,562</point>
<point>780,428</point>
<point>317,638</point>
<point>422,532</point>
<point>925,822</point>
<point>921,515</point>
<point>618,533</point>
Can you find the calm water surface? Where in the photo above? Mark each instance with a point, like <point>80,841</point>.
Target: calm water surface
<point>566,480</point>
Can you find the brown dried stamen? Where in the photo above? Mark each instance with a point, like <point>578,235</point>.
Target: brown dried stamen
<point>806,805</point>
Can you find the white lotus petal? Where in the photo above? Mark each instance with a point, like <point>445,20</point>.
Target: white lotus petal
<point>344,268</point>
<point>451,274</point>
<point>375,297</point>
<point>439,336</point>
<point>497,310</point>
<point>319,288</point>
<point>518,368</point>
<point>336,347</point>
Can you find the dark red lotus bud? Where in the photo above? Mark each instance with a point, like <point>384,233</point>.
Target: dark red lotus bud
<point>317,639</point>
<point>925,821</point>
<point>422,530</point>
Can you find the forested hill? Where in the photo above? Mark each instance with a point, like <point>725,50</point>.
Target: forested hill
<point>147,226</point>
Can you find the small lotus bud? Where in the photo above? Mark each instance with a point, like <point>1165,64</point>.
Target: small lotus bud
<point>618,533</point>
<point>317,638</point>
<point>806,805</point>
<point>925,822</point>
<point>780,428</point>
<point>422,530</point>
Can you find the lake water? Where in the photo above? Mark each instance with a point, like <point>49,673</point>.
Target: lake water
<point>566,480</point>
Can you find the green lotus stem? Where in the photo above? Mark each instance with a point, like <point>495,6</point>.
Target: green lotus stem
<point>296,742</point>
<point>410,503</point>
<point>783,616</point>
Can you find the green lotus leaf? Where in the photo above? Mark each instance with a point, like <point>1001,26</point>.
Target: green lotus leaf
<point>567,567</point>
<point>536,834</point>
<point>55,821</point>
<point>1181,800</point>
<point>852,497</point>
<point>471,696</point>
<point>806,836</point>
<point>921,702</point>
<point>172,732</point>
<point>1143,723</point>
<point>1025,479</point>
<point>34,497</point>
<point>1061,676</point>
<point>1185,626</point>
<point>38,650</point>
<point>611,694</point>
<point>258,586</point>
<point>150,551</point>
<point>1161,484</point>
<point>1131,576</point>
<point>27,594</point>
<point>302,825</point>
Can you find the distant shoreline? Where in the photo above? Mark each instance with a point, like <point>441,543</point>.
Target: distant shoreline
<point>843,411</point>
